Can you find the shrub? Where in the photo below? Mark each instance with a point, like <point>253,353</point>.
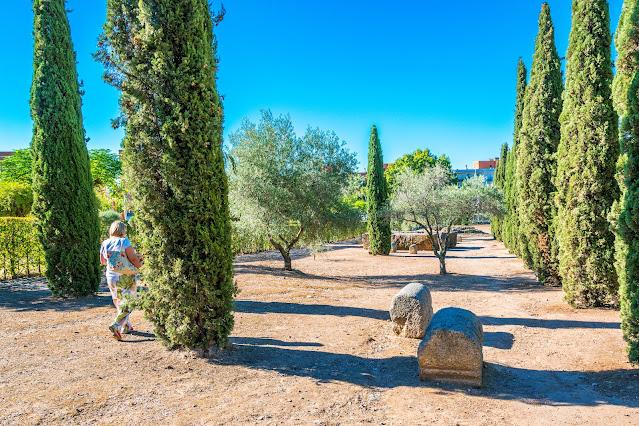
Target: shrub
<point>15,199</point>
<point>107,217</point>
<point>20,252</point>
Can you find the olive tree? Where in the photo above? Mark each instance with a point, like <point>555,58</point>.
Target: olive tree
<point>289,188</point>
<point>428,200</point>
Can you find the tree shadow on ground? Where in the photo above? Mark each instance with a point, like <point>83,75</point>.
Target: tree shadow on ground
<point>552,324</point>
<point>296,253</point>
<point>499,339</point>
<point>553,388</point>
<point>448,282</point>
<point>246,306</point>
<point>32,294</point>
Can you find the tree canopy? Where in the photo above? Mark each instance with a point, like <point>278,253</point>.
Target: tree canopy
<point>378,221</point>
<point>161,56</point>
<point>417,161</point>
<point>17,167</point>
<point>64,202</point>
<point>287,187</point>
<point>428,200</point>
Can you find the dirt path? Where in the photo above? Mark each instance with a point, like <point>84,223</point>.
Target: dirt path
<point>315,346</point>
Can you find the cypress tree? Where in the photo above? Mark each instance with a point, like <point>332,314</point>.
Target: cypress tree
<point>64,202</point>
<point>538,141</point>
<point>587,155</point>
<point>379,231</point>
<point>162,56</point>
<point>511,221</point>
<point>496,223</point>
<point>625,91</point>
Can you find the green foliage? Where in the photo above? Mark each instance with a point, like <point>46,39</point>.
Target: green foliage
<point>64,203</point>
<point>15,199</point>
<point>106,167</point>
<point>538,140</point>
<point>355,193</point>
<point>510,228</point>
<point>21,253</point>
<point>107,217</point>
<point>288,188</point>
<point>161,56</point>
<point>377,199</point>
<point>497,223</point>
<point>428,200</point>
<point>17,167</point>
<point>626,213</point>
<point>417,161</point>
<point>587,156</point>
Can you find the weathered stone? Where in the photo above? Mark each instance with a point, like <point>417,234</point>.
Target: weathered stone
<point>365,241</point>
<point>411,310</point>
<point>393,248</point>
<point>452,348</point>
<point>403,240</point>
<point>412,249</point>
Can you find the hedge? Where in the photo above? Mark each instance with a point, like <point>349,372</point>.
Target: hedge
<point>20,252</point>
<point>15,199</point>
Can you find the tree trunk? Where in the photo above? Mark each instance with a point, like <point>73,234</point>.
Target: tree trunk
<point>287,260</point>
<point>442,265</point>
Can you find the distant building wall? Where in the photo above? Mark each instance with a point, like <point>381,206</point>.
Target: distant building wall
<point>488,164</point>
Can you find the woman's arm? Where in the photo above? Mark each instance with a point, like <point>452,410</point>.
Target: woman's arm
<point>103,261</point>
<point>133,258</point>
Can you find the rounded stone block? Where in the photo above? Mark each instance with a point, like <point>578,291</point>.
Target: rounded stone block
<point>393,248</point>
<point>452,348</point>
<point>412,249</point>
<point>411,310</point>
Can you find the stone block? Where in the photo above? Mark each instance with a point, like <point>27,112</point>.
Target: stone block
<point>393,248</point>
<point>411,310</point>
<point>452,348</point>
<point>412,249</point>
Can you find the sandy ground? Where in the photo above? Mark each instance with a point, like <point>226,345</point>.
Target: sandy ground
<point>315,346</point>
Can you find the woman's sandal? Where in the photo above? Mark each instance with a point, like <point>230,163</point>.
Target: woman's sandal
<point>115,329</point>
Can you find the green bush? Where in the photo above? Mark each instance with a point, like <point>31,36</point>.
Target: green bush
<point>15,199</point>
<point>20,252</point>
<point>107,217</point>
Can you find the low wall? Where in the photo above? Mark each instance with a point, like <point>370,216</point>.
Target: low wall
<point>405,239</point>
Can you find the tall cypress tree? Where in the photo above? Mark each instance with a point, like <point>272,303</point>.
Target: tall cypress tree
<point>538,141</point>
<point>511,221</point>
<point>496,223</point>
<point>379,231</point>
<point>625,92</point>
<point>64,202</point>
<point>587,155</point>
<point>161,55</point>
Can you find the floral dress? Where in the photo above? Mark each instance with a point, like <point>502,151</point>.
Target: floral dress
<point>122,287</point>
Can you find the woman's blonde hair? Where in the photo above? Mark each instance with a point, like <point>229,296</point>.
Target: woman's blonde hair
<point>118,229</point>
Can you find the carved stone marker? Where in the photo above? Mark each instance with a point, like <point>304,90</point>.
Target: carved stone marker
<point>452,348</point>
<point>412,249</point>
<point>411,310</point>
<point>393,248</point>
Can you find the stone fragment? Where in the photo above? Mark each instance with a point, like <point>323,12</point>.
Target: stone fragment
<point>412,249</point>
<point>405,239</point>
<point>411,310</point>
<point>393,248</point>
<point>452,348</point>
<point>366,241</point>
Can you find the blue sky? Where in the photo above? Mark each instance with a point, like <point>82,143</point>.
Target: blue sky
<point>429,74</point>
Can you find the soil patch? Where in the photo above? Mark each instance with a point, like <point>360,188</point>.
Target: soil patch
<point>315,346</point>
